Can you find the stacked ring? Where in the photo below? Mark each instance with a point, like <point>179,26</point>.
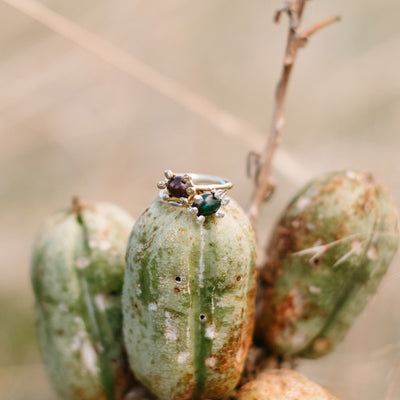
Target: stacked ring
<point>202,195</point>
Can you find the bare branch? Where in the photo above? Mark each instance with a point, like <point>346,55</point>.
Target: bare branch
<point>318,26</point>
<point>296,40</point>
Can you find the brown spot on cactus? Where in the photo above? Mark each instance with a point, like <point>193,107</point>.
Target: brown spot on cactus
<point>135,307</point>
<point>327,256</point>
<point>77,273</point>
<point>321,346</point>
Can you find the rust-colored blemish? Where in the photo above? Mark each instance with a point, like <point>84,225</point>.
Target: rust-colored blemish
<point>341,230</point>
<point>239,298</point>
<point>238,341</point>
<point>217,388</point>
<point>123,380</point>
<point>283,242</point>
<point>135,307</point>
<point>79,394</point>
<point>286,309</point>
<point>331,186</point>
<point>322,345</point>
<point>310,311</point>
<point>276,317</point>
<point>145,211</point>
<point>177,290</point>
<point>369,199</point>
<point>106,234</point>
<point>366,202</point>
<point>186,382</point>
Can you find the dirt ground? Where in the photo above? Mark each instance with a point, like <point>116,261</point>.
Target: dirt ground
<point>101,122</point>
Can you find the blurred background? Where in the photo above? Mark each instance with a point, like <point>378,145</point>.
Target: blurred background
<point>98,98</point>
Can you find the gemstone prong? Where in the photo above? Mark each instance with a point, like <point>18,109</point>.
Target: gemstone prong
<point>219,214</point>
<point>165,196</point>
<point>190,190</point>
<point>169,174</point>
<point>219,193</point>
<point>198,199</point>
<point>161,185</point>
<point>186,178</point>
<point>225,201</point>
<point>200,219</point>
<point>193,210</point>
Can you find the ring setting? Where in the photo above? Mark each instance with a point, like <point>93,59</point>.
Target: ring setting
<point>202,195</point>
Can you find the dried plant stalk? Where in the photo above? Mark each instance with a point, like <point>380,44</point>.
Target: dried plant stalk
<point>296,40</point>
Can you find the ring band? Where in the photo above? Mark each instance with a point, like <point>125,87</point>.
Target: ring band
<point>207,183</point>
<point>201,194</point>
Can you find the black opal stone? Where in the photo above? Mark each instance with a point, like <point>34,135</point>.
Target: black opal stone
<point>177,188</point>
<point>209,205</point>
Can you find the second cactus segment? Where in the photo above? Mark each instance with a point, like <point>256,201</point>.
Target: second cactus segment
<point>326,258</point>
<point>188,301</point>
<point>77,272</point>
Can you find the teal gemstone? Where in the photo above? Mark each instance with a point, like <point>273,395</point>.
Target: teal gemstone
<point>209,205</point>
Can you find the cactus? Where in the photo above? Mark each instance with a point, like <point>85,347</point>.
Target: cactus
<point>188,301</point>
<point>77,274</point>
<point>327,256</point>
<point>282,384</point>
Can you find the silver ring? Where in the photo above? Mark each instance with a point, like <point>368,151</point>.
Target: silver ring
<point>201,194</point>
<point>207,183</point>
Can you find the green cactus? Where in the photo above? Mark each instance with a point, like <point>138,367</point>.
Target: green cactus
<point>326,258</point>
<point>77,274</point>
<point>188,301</point>
<point>282,384</point>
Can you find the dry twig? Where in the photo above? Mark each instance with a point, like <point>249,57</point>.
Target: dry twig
<point>296,40</point>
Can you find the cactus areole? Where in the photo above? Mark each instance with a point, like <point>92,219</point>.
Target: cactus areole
<point>77,275</point>
<point>188,301</point>
<point>326,258</point>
